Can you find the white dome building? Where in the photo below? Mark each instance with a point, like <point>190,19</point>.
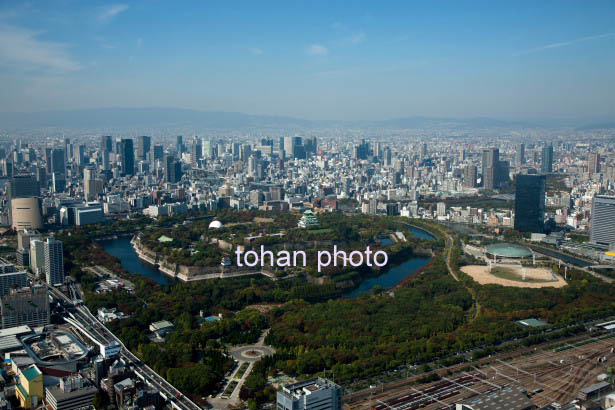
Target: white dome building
<point>215,225</point>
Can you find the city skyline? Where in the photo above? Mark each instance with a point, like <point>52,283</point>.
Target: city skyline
<point>550,60</point>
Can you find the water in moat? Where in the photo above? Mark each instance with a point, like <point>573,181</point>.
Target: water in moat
<point>122,249</point>
<point>397,273</point>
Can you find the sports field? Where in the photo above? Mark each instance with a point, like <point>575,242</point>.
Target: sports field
<point>512,275</point>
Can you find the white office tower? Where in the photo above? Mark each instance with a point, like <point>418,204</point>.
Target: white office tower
<point>603,213</point>
<point>54,262</point>
<point>37,256</point>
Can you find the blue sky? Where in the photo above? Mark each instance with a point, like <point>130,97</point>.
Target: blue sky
<point>316,60</point>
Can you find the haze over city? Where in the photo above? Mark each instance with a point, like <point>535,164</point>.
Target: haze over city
<point>316,60</point>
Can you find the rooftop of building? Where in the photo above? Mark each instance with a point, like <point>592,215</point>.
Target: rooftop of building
<point>509,250</point>
<point>31,373</point>
<point>308,386</point>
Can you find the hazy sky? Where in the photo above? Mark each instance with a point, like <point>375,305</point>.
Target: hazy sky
<point>316,60</point>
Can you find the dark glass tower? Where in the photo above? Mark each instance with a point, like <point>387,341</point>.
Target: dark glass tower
<point>143,146</point>
<point>547,159</point>
<point>530,203</point>
<point>128,157</point>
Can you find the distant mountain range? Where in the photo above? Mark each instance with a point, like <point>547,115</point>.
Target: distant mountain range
<point>177,118</point>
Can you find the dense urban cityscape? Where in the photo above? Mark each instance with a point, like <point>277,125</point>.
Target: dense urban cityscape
<point>307,206</point>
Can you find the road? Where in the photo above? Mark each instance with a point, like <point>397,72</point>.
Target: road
<point>99,332</point>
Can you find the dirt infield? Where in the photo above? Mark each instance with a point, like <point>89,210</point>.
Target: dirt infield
<point>536,277</point>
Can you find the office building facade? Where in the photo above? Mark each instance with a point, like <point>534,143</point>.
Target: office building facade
<point>25,306</point>
<point>54,262</point>
<point>127,157</point>
<point>547,159</point>
<point>530,203</point>
<point>311,394</point>
<point>602,229</point>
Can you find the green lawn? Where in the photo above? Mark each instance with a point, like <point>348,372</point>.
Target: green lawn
<point>510,274</point>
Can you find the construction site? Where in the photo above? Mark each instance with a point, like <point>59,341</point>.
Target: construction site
<point>550,376</point>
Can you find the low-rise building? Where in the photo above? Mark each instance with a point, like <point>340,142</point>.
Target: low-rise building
<point>73,393</point>
<point>316,393</point>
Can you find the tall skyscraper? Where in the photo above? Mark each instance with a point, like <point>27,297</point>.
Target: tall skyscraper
<point>23,186</point>
<point>57,161</point>
<point>104,160</point>
<point>289,147</point>
<point>195,152</point>
<point>547,159</point>
<point>41,177</point>
<point>157,153</point>
<point>530,203</point>
<point>172,169</point>
<point>520,155</point>
<point>58,181</point>
<point>206,148</point>
<point>143,147</point>
<point>106,143</point>
<point>80,155</point>
<point>179,145</point>
<point>469,176</point>
<point>54,262</point>
<point>37,256</point>
<point>92,186</point>
<point>602,230</point>
<point>491,163</point>
<point>593,163</point>
<point>127,157</point>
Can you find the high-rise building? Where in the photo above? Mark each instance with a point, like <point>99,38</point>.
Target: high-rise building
<point>8,168</point>
<point>26,213</point>
<point>388,157</point>
<point>593,163</point>
<point>54,262</point>
<point>127,155</point>
<point>157,153</point>
<point>206,147</point>
<point>41,177</point>
<point>289,147</point>
<point>172,170</point>
<point>58,182</point>
<point>57,161</point>
<point>195,152</point>
<point>547,159</point>
<point>143,146</point>
<point>106,143</point>
<point>37,256</point>
<point>179,145</point>
<point>11,278</point>
<point>92,186</point>
<point>469,176</point>
<point>79,158</point>
<point>602,229</point>
<point>530,203</point>
<point>520,155</point>
<point>25,307</point>
<point>491,161</point>
<point>316,393</point>
<point>361,151</point>
<point>23,186</point>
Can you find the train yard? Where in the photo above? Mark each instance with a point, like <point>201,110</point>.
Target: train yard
<point>550,373</point>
